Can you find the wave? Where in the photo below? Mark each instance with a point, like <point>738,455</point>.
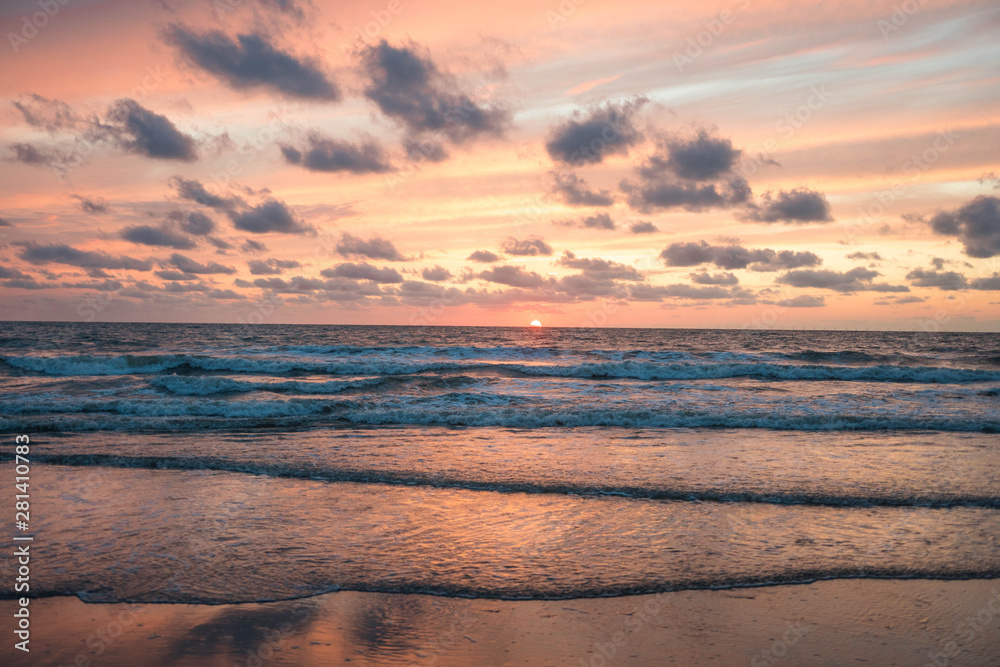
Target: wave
<point>75,365</point>
<point>319,473</point>
<point>104,595</point>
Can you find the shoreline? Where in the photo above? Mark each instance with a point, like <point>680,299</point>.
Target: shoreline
<point>831,622</point>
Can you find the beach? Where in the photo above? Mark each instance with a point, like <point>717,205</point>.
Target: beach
<point>853,621</point>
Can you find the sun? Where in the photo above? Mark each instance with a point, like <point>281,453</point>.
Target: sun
<point>536,323</point>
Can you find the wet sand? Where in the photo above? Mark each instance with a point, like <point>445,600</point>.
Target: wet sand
<point>841,622</point>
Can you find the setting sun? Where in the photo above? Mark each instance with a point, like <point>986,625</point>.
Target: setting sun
<point>536,323</point>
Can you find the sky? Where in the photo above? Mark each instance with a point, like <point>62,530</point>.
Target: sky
<point>721,164</point>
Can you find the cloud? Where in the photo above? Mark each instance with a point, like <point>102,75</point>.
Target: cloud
<point>514,276</point>
<point>436,274</point>
<point>785,259</point>
<point>270,267</point>
<point>575,191</point>
<point>871,256</point>
<point>193,222</point>
<point>856,280</point>
<point>803,301</point>
<point>599,268</point>
<point>7,273</point>
<point>251,61</point>
<point>363,271</point>
<point>141,131</point>
<point>599,221</point>
<point>418,150</point>
<point>644,227</point>
<point>170,274</point>
<point>484,256</point>
<point>409,88</point>
<point>270,216</point>
<point>700,158</point>
<point>35,155</point>
<point>188,265</point>
<point>374,248</point>
<point>944,280</point>
<point>94,206</point>
<point>5,223</point>
<point>323,153</point>
<point>988,283</point>
<point>193,190</point>
<point>976,225</point>
<point>687,195</point>
<point>64,254</point>
<point>704,278</point>
<point>45,114</point>
<point>797,206</point>
<point>249,245</point>
<point>602,131</point>
<point>532,247</point>
<point>157,236</point>
<point>735,257</point>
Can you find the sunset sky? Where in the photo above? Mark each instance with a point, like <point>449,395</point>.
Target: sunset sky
<point>730,163</point>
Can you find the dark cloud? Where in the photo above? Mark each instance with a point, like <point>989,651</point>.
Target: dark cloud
<point>321,153</point>
<point>363,271</point>
<point>193,222</point>
<point>271,267</point>
<point>575,191</point>
<point>287,7</point>
<point>599,268</point>
<point>95,206</point>
<point>988,283</point>
<point>374,248</point>
<point>87,259</point>
<point>188,265</point>
<point>871,256</point>
<point>803,301</point>
<point>687,195</point>
<point>944,280</point>
<point>856,280</point>
<point>599,221</point>
<point>532,247</point>
<point>157,236</point>
<point>193,190</point>
<point>785,259</point>
<point>252,61</point>
<point>170,274</point>
<point>45,114</point>
<point>700,158</point>
<point>484,256</point>
<point>644,227</point>
<point>28,283</point>
<point>976,225</point>
<point>5,223</point>
<point>35,155</point>
<point>514,276</point>
<point>249,245</point>
<point>7,273</point>
<point>103,286</point>
<point>735,257</point>
<point>409,88</point>
<point>141,131</point>
<point>418,150</point>
<point>602,131</point>
<point>436,274</point>
<point>797,206</point>
<point>270,216</point>
<point>725,279</point>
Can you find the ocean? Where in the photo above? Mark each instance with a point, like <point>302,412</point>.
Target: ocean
<point>211,464</point>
